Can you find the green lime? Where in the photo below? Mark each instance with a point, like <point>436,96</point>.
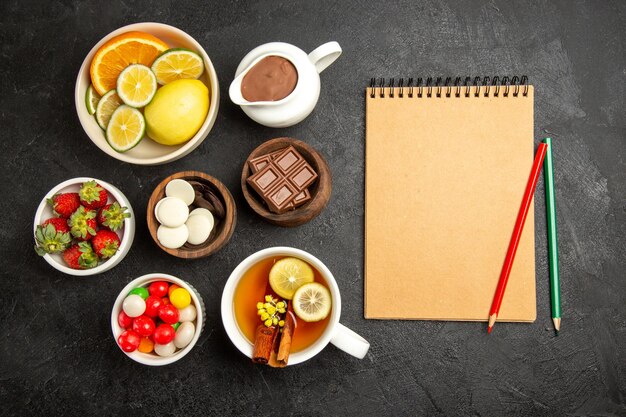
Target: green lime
<point>176,64</point>
<point>126,128</point>
<point>136,85</point>
<point>91,99</point>
<point>105,108</point>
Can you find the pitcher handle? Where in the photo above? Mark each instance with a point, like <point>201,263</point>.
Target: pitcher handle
<point>349,341</point>
<point>324,55</point>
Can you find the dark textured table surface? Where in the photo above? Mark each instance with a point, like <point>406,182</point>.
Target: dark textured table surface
<point>57,355</point>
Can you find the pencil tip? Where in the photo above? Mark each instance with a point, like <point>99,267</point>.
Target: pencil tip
<point>489,329</point>
<point>556,332</point>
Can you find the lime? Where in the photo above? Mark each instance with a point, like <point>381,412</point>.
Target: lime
<point>105,108</point>
<point>177,111</point>
<point>288,274</point>
<point>91,99</point>
<point>312,302</point>
<point>126,128</point>
<point>177,64</point>
<point>136,85</point>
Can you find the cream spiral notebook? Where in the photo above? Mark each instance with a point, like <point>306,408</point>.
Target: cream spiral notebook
<point>446,167</point>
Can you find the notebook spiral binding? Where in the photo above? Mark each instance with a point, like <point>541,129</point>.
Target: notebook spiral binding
<point>447,87</point>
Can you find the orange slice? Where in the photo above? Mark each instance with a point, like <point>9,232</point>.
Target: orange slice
<point>118,53</point>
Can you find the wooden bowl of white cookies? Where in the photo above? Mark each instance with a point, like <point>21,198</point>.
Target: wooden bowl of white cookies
<point>191,215</point>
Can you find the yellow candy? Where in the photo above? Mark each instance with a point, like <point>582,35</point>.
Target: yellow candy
<point>259,306</point>
<point>265,316</point>
<point>268,322</point>
<point>180,298</point>
<point>281,323</point>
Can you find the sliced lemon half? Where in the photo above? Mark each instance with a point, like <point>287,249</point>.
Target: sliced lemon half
<point>177,64</point>
<point>136,85</point>
<point>105,108</point>
<point>126,128</point>
<point>289,274</point>
<point>312,302</point>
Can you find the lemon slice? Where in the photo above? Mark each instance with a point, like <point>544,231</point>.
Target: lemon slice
<point>312,302</point>
<point>91,99</point>
<point>105,108</point>
<point>176,64</point>
<point>288,274</point>
<point>126,128</point>
<point>136,85</point>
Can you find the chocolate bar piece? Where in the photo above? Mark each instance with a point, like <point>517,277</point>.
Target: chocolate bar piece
<point>301,198</point>
<point>258,163</point>
<point>283,180</point>
<point>281,196</point>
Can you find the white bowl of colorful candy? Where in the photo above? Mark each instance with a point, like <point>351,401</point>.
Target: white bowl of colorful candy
<point>157,319</point>
<point>84,226</point>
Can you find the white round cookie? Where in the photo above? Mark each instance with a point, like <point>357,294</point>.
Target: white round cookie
<point>180,189</point>
<point>201,211</point>
<point>172,212</point>
<point>156,209</point>
<point>199,227</point>
<point>172,237</point>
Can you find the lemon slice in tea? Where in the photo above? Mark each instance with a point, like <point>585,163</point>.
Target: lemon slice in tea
<point>105,108</point>
<point>91,99</point>
<point>136,85</point>
<point>289,274</point>
<point>126,128</point>
<point>312,302</point>
<point>176,64</point>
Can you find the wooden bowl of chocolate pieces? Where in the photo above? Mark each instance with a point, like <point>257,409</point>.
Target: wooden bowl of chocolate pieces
<point>191,215</point>
<point>286,182</point>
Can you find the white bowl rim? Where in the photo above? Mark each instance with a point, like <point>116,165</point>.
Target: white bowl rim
<point>192,143</point>
<point>228,317</point>
<point>149,358</point>
<point>127,239</point>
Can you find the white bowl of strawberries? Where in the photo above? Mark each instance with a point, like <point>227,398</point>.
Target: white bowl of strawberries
<point>84,226</point>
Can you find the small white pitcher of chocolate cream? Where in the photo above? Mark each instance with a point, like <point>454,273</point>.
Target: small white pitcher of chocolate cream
<point>277,84</point>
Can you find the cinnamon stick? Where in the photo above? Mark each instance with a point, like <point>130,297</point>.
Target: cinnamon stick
<point>264,340</point>
<point>280,356</point>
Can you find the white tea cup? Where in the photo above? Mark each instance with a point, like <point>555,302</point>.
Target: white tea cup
<point>335,332</point>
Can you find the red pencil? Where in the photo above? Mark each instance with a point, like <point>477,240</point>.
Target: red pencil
<point>517,233</point>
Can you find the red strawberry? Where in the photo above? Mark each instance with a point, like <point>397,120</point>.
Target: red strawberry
<point>80,256</point>
<point>60,225</point>
<point>52,236</point>
<point>105,243</point>
<point>112,216</point>
<point>92,195</point>
<point>64,204</point>
<point>83,223</point>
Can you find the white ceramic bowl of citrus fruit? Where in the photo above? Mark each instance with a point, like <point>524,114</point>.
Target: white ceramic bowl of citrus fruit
<point>51,207</point>
<point>147,94</point>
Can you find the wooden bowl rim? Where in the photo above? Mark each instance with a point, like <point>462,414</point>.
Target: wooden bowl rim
<point>219,241</point>
<point>298,216</point>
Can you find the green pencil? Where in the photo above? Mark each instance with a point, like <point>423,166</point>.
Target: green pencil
<point>553,242</point>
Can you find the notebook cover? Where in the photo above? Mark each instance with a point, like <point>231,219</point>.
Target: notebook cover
<point>444,182</point>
